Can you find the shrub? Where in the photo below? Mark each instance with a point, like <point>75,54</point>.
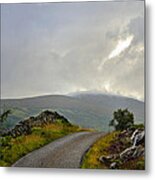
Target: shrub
<point>122,119</point>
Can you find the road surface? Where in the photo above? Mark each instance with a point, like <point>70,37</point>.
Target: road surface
<point>65,152</point>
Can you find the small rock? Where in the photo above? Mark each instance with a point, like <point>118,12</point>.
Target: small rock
<point>134,134</point>
<point>114,165</point>
<point>104,159</point>
<point>108,159</point>
<point>139,138</point>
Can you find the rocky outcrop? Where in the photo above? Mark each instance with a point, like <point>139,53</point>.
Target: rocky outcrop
<point>131,153</point>
<point>25,127</point>
<point>138,137</point>
<point>135,150</point>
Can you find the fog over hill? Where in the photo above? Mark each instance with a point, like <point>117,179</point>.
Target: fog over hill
<point>85,109</point>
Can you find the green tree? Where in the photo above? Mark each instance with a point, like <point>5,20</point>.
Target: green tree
<point>122,119</point>
<point>4,115</point>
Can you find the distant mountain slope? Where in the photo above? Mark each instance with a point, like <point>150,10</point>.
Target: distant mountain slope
<point>87,110</point>
<point>112,102</point>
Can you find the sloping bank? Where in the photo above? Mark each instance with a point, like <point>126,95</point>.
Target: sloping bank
<point>33,133</point>
<point>117,150</point>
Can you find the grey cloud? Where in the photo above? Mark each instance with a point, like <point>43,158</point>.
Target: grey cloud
<point>127,70</point>
<point>60,52</point>
<point>136,27</point>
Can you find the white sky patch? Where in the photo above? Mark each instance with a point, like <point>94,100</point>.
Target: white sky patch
<point>121,46</point>
<point>140,48</point>
<point>107,86</point>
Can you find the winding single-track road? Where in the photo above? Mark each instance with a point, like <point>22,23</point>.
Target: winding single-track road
<point>66,152</point>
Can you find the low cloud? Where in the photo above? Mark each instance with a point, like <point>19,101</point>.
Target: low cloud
<point>75,47</point>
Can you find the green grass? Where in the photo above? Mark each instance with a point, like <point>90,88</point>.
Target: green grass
<point>110,144</point>
<point>91,159</point>
<point>12,149</point>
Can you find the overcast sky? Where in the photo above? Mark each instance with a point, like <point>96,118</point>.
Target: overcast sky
<point>59,48</point>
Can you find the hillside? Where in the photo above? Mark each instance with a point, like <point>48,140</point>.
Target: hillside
<point>86,110</point>
<point>117,150</point>
<point>33,133</point>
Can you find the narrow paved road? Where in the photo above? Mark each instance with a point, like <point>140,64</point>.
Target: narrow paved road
<point>65,152</point>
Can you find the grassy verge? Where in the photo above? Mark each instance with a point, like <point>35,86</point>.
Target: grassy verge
<point>12,149</point>
<point>110,144</point>
<point>90,160</point>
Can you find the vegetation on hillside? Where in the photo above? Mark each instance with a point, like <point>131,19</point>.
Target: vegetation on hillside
<point>11,149</point>
<point>3,118</point>
<point>122,119</point>
<point>109,146</point>
<point>118,149</point>
<point>106,146</point>
<point>91,159</point>
<point>4,115</point>
<point>87,110</point>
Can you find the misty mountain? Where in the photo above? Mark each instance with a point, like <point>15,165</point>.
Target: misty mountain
<point>85,109</point>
